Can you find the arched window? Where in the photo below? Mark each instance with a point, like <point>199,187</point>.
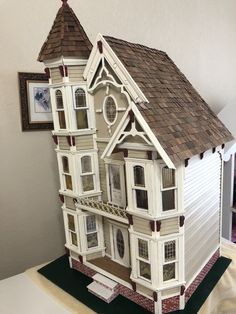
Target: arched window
<point>110,110</point>
<point>67,179</point>
<point>81,109</point>
<point>60,110</point>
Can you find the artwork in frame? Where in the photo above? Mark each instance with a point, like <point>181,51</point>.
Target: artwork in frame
<point>36,111</point>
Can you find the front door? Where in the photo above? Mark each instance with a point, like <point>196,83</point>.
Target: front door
<point>120,245</point>
<point>115,184</point>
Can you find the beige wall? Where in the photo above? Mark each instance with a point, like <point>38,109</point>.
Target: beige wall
<point>198,34</point>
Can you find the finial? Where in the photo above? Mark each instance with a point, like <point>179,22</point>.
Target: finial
<point>64,1</point>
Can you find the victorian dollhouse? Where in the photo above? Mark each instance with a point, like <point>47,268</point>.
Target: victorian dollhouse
<point>139,157</point>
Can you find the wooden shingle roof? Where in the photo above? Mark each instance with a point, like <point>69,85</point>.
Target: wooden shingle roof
<point>180,119</point>
<point>67,37</point>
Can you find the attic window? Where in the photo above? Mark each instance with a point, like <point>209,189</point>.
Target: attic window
<point>110,110</point>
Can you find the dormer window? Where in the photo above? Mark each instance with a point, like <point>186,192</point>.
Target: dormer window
<point>110,110</point>
<point>81,108</point>
<point>60,109</point>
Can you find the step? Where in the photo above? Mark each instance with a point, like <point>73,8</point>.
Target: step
<point>101,292</point>
<point>105,281</point>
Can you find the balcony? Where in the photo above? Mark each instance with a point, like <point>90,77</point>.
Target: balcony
<point>105,209</point>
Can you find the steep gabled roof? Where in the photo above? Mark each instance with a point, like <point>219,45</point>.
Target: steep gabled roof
<point>67,37</point>
<point>177,115</point>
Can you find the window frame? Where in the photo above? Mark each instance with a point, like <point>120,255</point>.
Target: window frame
<point>86,232</point>
<point>138,259</point>
<point>63,174</point>
<point>136,187</point>
<point>174,188</point>
<point>104,110</point>
<point>175,261</point>
<point>93,173</point>
<point>69,231</point>
<point>82,87</point>
<point>60,109</point>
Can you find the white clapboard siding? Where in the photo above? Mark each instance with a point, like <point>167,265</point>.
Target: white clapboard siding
<point>107,239</point>
<point>69,203</point>
<point>63,143</point>
<point>141,225</point>
<point>169,226</point>
<point>102,171</point>
<point>202,186</point>
<point>56,75</point>
<point>84,142</point>
<point>75,73</point>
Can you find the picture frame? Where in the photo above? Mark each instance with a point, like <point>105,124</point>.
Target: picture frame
<point>36,111</point>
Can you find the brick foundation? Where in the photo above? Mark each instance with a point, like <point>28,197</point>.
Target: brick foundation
<point>201,275</point>
<point>169,304</point>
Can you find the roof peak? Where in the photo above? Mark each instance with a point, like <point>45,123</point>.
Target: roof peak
<point>66,38</point>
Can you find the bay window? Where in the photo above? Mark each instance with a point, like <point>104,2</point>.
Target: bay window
<point>60,109</point>
<point>72,230</point>
<point>81,108</point>
<point>143,259</point>
<point>67,178</point>
<point>168,189</point>
<point>140,190</point>
<point>87,173</point>
<point>91,231</point>
<point>170,261</point>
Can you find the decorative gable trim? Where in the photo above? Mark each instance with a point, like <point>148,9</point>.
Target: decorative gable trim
<point>122,125</point>
<point>107,52</point>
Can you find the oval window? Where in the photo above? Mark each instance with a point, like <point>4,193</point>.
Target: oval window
<point>110,112</point>
<point>120,243</point>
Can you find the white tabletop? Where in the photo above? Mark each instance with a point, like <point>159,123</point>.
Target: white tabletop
<point>20,295</point>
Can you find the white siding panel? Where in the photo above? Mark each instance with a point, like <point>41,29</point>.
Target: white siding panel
<point>63,143</point>
<point>169,226</point>
<point>202,205</point>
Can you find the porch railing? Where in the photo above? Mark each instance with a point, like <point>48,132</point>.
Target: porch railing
<point>104,207</point>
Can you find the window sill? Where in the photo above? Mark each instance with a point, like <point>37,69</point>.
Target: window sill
<point>74,133</point>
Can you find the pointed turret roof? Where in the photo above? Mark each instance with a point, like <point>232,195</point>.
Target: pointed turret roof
<point>67,37</point>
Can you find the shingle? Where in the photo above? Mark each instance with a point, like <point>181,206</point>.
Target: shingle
<point>67,37</point>
<point>175,107</point>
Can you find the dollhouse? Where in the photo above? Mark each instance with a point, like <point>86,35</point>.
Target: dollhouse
<point>140,163</point>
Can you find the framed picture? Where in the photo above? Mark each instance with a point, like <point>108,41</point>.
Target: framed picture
<point>36,110</point>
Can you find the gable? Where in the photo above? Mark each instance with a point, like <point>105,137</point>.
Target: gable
<point>177,115</point>
<point>132,127</point>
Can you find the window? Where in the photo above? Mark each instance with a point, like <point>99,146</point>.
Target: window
<point>81,109</point>
<point>91,231</point>
<point>60,109</point>
<point>144,267</point>
<point>110,110</point>
<point>67,179</point>
<point>116,182</point>
<point>87,174</point>
<point>168,189</point>
<point>140,190</point>
<point>72,230</point>
<point>170,261</point>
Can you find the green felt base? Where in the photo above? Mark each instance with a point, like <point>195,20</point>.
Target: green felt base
<point>75,283</point>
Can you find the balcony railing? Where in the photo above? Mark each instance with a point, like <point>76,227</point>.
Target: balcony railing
<point>106,208</point>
